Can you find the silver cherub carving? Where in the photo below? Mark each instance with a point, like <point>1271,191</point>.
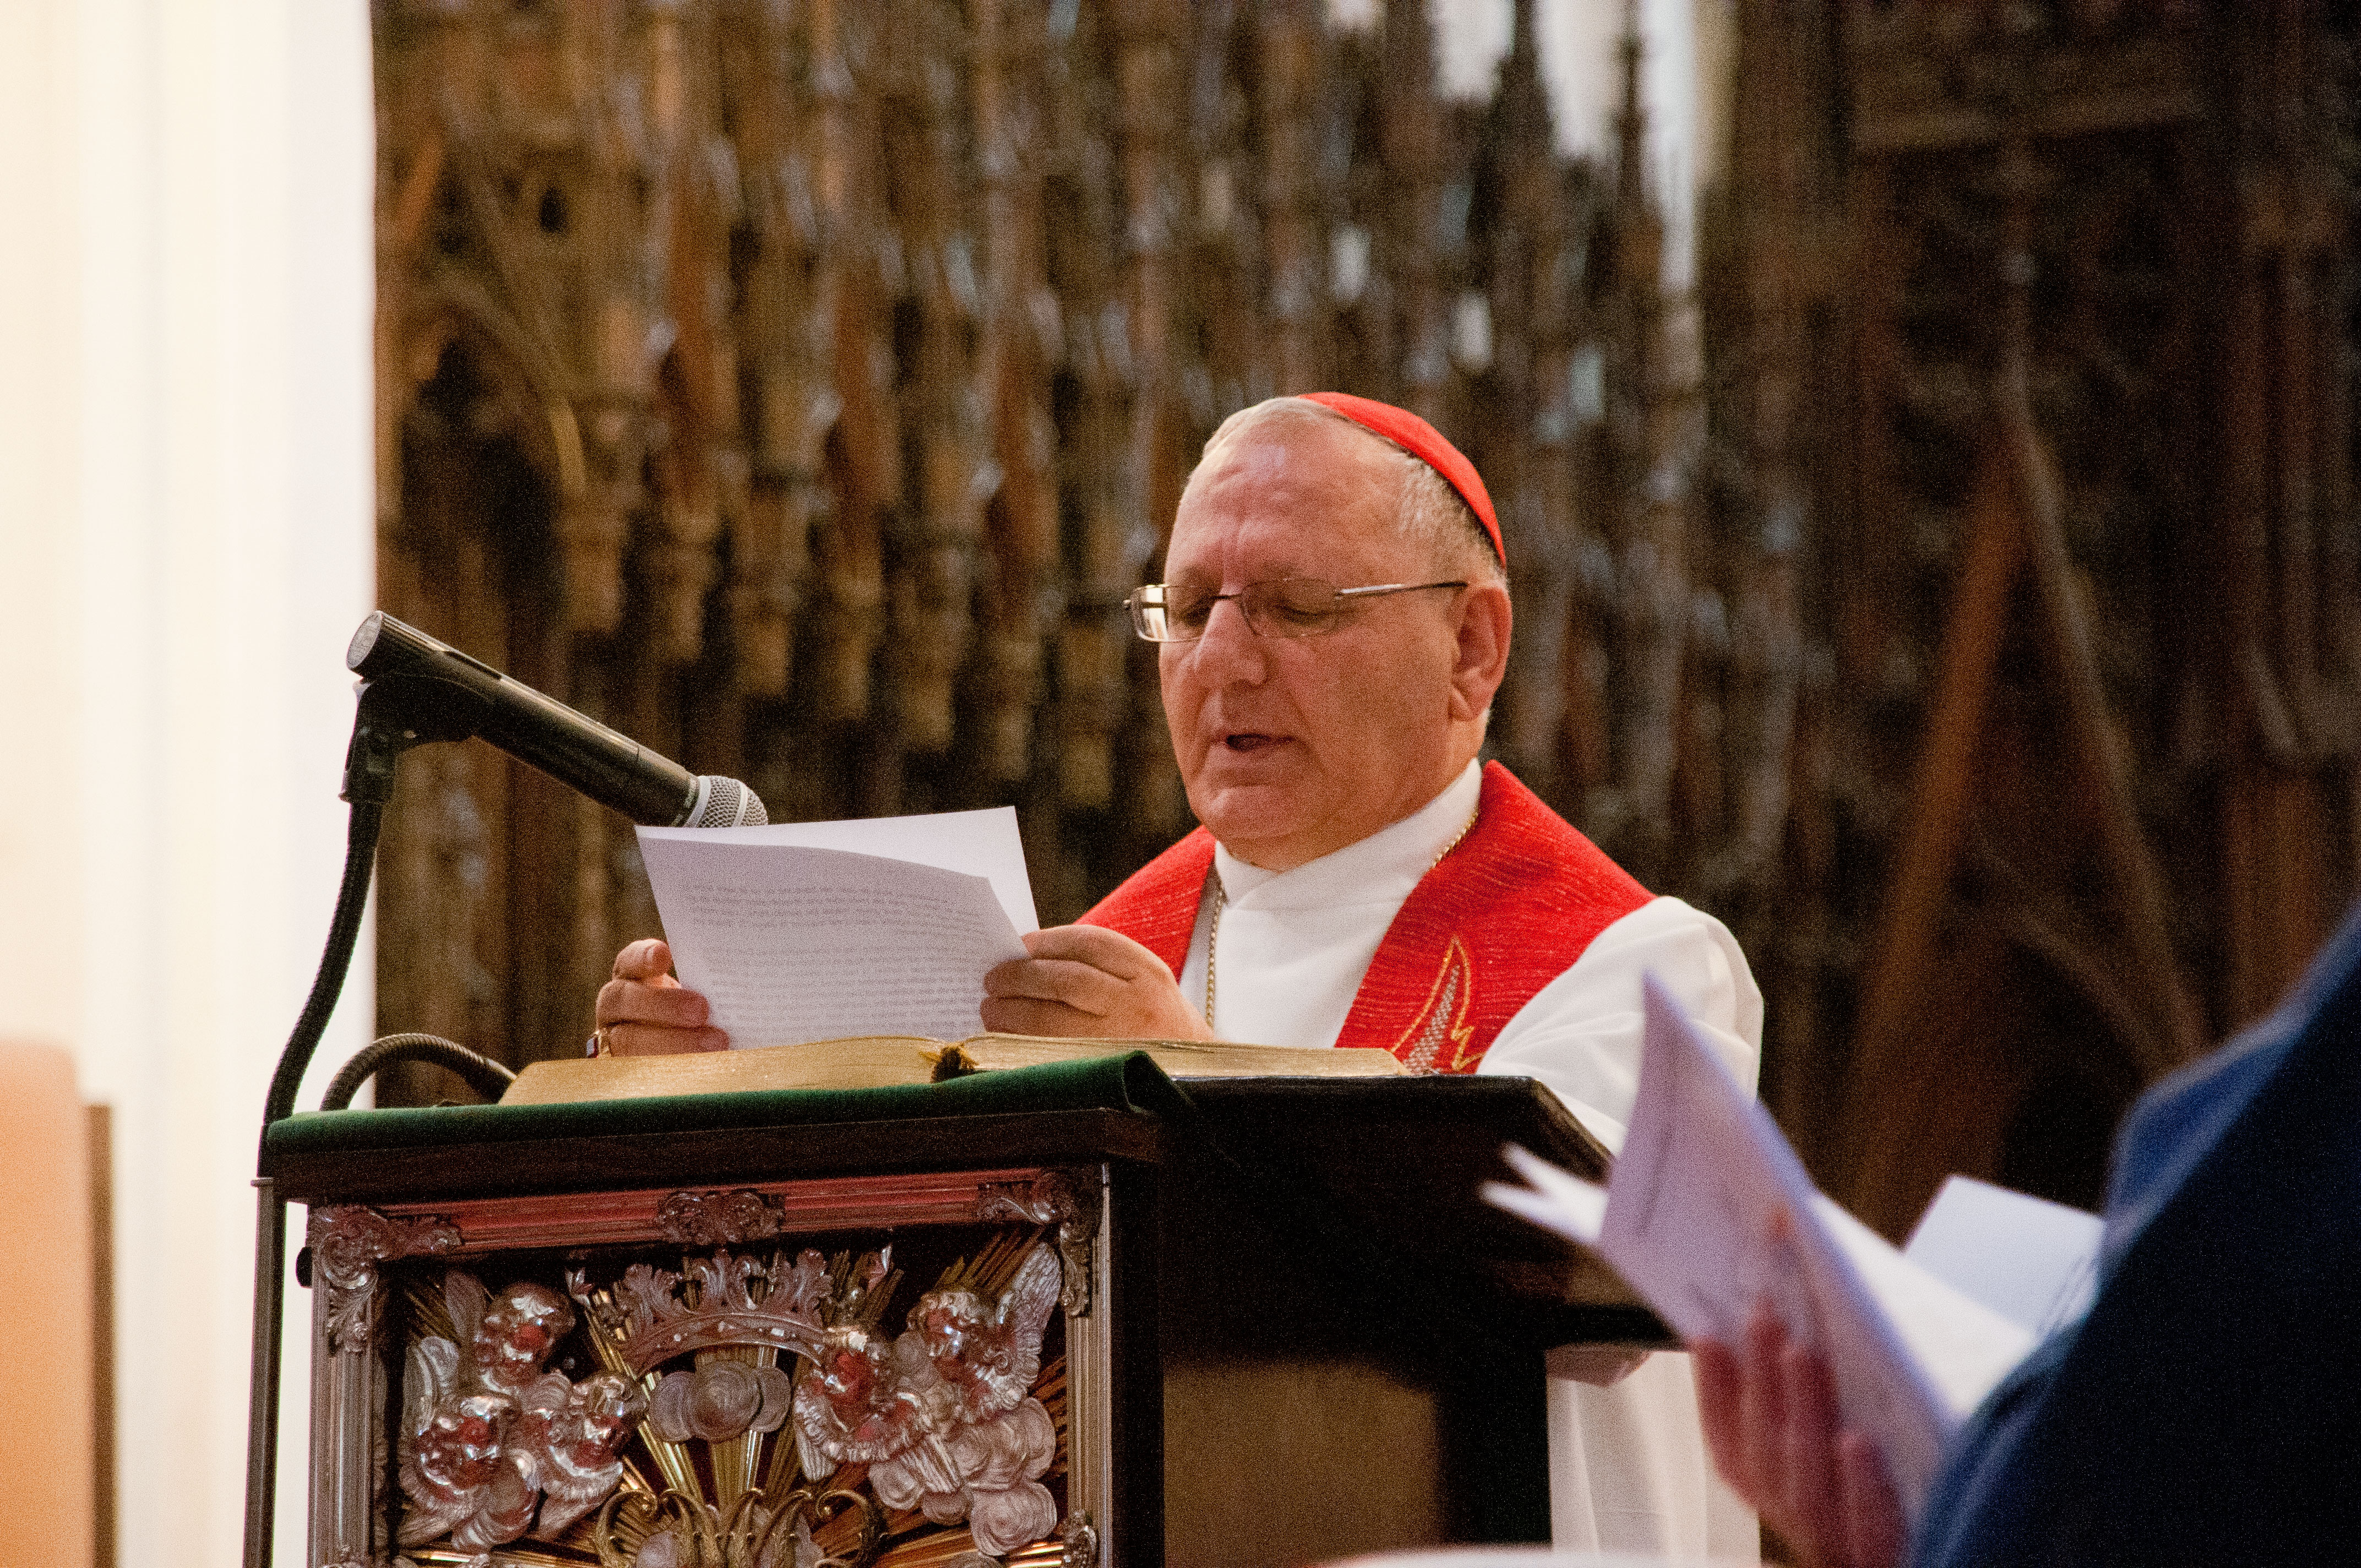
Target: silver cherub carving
<point>568,1439</point>
<point>489,1438</point>
<point>943,1414</point>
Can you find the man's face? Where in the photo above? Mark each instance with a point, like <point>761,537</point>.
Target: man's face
<point>1293,748</point>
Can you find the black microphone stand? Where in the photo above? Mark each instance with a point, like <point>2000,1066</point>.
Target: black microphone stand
<point>419,690</point>
<point>395,713</point>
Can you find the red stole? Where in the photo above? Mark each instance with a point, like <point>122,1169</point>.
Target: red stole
<point>1497,918</point>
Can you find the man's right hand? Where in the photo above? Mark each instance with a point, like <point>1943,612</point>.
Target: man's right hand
<point>644,1012</point>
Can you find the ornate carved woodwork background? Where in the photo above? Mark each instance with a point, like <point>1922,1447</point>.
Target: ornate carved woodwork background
<point>1957,595</point>
<point>2096,552</point>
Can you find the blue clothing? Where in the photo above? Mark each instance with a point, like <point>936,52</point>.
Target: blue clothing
<point>2208,1407</point>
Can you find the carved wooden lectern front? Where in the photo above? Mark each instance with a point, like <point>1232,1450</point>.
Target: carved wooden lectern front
<point>1041,1317</point>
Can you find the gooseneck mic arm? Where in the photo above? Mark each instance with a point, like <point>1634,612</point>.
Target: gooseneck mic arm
<point>414,690</point>
<point>452,694</point>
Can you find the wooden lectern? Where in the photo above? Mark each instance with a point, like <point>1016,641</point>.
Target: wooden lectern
<point>1069,1315</point>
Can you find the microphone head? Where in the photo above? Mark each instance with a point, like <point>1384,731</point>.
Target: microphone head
<point>364,640</point>
<point>722,802</point>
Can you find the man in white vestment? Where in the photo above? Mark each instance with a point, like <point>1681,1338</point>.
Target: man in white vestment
<point>1332,625</point>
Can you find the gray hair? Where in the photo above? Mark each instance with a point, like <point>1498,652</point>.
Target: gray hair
<point>1431,515</point>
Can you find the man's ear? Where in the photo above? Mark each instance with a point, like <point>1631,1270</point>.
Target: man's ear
<point>1483,650</point>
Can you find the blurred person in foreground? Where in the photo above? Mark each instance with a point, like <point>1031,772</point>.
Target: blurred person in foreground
<point>1332,625</point>
<point>2206,1410</point>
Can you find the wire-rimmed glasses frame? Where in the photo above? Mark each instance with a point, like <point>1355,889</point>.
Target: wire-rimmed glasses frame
<point>1278,606</point>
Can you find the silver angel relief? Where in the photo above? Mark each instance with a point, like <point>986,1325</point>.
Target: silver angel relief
<point>492,1446</point>
<point>944,1415</point>
<point>745,1412</point>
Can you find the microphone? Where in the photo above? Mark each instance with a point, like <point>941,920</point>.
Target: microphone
<point>453,696</point>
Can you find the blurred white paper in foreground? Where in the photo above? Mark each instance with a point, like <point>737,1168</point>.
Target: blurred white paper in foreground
<point>1709,1212</point>
<point>2033,1261</point>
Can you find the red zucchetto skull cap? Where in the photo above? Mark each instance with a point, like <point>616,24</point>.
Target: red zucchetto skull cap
<point>1422,440</point>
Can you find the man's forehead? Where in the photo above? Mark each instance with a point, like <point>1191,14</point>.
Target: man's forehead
<point>1295,494</point>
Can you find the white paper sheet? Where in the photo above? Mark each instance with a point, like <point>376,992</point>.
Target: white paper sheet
<point>1961,1346</point>
<point>980,843</point>
<point>1709,1212</point>
<point>793,936</point>
<point>2033,1261</point>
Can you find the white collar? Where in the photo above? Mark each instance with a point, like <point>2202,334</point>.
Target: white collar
<point>1381,868</point>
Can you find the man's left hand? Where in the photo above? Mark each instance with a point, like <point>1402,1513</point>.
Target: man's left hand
<point>1088,982</point>
<point>1769,1409</point>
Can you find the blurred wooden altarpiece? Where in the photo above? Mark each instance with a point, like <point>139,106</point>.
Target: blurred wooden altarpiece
<point>1954,589</point>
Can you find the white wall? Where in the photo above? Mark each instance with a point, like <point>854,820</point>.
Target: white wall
<point>185,545</point>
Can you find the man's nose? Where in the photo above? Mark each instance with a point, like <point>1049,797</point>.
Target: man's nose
<point>1229,648</point>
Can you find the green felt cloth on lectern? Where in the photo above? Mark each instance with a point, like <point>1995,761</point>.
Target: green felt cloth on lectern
<point>1131,1083</point>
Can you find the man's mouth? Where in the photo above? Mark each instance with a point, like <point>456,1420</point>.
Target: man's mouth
<point>1249,741</point>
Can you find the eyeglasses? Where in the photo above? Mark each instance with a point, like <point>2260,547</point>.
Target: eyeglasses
<point>1284,607</point>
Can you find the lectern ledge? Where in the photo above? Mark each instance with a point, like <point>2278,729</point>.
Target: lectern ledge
<point>1073,1314</point>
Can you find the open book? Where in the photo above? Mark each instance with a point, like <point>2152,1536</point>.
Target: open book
<point>1707,1212</point>
<point>872,1061</point>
